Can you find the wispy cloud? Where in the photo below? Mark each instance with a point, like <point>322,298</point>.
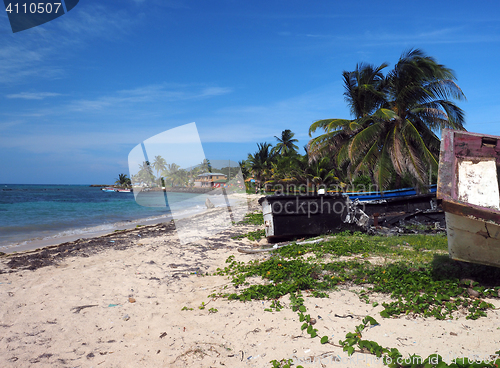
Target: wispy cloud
<point>68,142</point>
<point>7,125</point>
<point>33,95</point>
<point>24,60</point>
<point>151,93</point>
<point>97,21</point>
<point>449,35</point>
<point>252,123</point>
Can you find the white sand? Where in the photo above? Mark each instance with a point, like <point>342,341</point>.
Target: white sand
<point>39,326</point>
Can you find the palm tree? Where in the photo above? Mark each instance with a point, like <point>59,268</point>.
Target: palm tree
<point>180,178</point>
<point>320,172</point>
<point>193,174</point>
<point>393,132</point>
<point>123,180</point>
<point>145,173</point>
<point>260,162</point>
<point>245,171</point>
<point>364,95</point>
<point>176,176</point>
<point>170,172</point>
<point>159,164</point>
<point>364,89</point>
<point>286,144</point>
<point>205,166</point>
<point>283,167</point>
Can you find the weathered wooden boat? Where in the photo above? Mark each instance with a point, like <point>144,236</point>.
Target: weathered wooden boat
<point>468,188</point>
<point>293,216</point>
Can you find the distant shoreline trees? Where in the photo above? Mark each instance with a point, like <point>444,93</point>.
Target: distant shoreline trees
<point>172,175</point>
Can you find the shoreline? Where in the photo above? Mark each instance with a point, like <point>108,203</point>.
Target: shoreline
<point>46,251</point>
<point>86,233</point>
<point>95,231</point>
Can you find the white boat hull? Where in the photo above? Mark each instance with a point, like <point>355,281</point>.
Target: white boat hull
<point>473,240</point>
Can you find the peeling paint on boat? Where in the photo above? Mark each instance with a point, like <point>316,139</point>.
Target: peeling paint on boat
<point>468,189</point>
<point>478,182</point>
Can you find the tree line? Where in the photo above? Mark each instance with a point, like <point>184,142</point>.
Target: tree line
<point>161,174</point>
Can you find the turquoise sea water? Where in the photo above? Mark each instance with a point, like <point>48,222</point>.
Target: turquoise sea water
<point>33,212</point>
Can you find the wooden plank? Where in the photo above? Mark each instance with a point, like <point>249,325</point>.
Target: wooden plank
<point>462,209</point>
<point>446,166</point>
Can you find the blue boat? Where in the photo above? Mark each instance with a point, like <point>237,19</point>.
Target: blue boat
<point>108,189</point>
<point>374,196</point>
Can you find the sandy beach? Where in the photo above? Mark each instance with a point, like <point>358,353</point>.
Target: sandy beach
<point>118,300</point>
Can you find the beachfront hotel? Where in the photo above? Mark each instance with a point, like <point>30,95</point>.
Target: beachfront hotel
<point>210,180</point>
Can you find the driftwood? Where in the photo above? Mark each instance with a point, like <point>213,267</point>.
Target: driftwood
<point>78,309</point>
<point>276,246</point>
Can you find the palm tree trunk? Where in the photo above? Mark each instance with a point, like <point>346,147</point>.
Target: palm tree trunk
<point>398,181</point>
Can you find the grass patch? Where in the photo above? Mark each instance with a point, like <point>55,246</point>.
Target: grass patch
<point>251,235</point>
<point>253,219</point>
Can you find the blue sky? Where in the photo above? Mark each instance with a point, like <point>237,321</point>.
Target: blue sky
<point>79,93</point>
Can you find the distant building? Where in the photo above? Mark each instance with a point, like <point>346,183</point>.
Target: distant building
<point>210,180</point>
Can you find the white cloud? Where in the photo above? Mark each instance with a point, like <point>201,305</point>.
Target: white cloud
<point>262,122</point>
<point>213,91</point>
<point>33,95</point>
<point>67,142</point>
<point>151,93</point>
<point>7,125</point>
<point>377,37</point>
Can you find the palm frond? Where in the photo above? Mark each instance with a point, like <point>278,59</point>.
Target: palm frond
<point>385,114</point>
<point>414,137</point>
<point>414,164</point>
<point>384,168</point>
<point>369,159</point>
<point>364,139</point>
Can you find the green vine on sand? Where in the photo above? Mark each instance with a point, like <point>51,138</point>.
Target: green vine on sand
<point>252,219</point>
<point>390,357</point>
<point>255,218</point>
